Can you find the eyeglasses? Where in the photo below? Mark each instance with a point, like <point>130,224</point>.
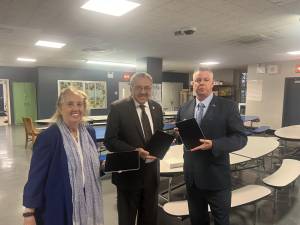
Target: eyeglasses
<point>141,88</point>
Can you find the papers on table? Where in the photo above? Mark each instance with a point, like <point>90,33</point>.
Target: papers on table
<point>174,162</point>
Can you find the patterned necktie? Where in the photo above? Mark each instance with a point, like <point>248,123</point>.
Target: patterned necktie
<point>146,124</point>
<point>199,115</point>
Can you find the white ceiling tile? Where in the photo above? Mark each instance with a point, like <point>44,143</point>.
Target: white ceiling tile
<point>149,31</point>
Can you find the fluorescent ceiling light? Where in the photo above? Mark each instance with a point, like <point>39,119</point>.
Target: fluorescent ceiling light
<point>294,53</point>
<point>110,7</point>
<point>110,63</point>
<point>26,59</point>
<point>209,63</point>
<point>50,44</point>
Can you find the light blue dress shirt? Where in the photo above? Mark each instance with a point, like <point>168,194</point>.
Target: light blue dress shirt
<point>206,102</point>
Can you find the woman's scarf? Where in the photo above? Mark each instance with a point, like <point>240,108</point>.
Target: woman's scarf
<point>87,200</point>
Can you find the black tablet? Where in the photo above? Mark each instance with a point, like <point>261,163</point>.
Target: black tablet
<point>190,133</point>
<point>159,144</point>
<point>122,161</point>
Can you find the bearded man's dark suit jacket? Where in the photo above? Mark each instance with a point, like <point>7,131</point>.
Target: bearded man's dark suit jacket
<point>124,133</point>
<point>210,169</point>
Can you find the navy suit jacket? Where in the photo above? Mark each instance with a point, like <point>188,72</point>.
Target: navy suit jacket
<point>48,188</point>
<point>210,169</point>
<point>124,133</point>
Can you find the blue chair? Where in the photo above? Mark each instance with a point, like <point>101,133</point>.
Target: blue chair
<point>261,129</point>
<point>257,130</point>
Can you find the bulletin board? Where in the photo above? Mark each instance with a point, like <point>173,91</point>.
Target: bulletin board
<point>95,90</point>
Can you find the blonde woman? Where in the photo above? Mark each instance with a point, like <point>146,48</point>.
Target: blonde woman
<point>63,186</point>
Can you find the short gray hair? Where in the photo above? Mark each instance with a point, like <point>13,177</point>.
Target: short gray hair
<point>203,69</point>
<point>139,74</point>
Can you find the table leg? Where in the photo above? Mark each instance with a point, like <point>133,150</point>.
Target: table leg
<point>170,188</point>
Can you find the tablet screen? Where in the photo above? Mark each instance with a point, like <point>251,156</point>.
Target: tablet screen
<point>159,144</point>
<point>122,161</point>
<point>190,133</point>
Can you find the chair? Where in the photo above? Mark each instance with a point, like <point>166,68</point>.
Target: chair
<point>30,131</point>
<point>287,174</point>
<point>261,130</point>
<point>257,130</point>
<point>249,194</point>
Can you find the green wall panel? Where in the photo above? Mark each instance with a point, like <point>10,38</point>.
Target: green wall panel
<point>24,101</point>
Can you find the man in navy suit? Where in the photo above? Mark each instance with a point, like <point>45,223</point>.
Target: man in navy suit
<point>207,166</point>
<point>131,123</point>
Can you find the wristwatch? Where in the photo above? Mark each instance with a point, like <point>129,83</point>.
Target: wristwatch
<point>28,214</point>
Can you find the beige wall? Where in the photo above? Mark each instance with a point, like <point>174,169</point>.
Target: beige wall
<point>225,75</point>
<point>269,108</point>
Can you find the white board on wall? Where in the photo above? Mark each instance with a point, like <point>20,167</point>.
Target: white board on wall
<point>171,95</point>
<point>124,90</point>
<point>156,93</point>
<point>254,90</point>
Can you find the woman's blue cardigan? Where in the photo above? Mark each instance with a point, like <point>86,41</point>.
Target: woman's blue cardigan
<point>48,188</point>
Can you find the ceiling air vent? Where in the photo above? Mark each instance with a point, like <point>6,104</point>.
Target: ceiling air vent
<point>94,49</point>
<point>185,31</point>
<point>251,39</point>
<point>282,2</point>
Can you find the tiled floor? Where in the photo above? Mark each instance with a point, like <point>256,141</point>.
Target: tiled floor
<point>14,163</point>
